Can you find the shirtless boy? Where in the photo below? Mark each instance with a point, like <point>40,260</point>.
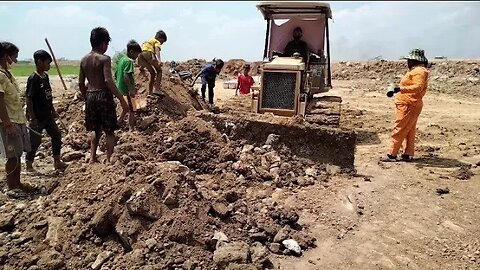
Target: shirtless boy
<point>100,114</point>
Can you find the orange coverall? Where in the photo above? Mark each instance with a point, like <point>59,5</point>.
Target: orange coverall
<point>408,102</point>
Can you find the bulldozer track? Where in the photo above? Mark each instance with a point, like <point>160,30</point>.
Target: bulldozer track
<point>324,110</point>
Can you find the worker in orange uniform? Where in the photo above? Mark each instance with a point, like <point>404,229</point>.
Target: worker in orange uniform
<point>408,103</point>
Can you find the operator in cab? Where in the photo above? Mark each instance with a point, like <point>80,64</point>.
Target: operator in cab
<point>297,45</point>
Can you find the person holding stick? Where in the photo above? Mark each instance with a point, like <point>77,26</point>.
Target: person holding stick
<point>40,111</point>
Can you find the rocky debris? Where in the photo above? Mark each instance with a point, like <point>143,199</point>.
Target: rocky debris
<point>55,224</point>
<point>442,191</point>
<point>51,260</point>
<point>281,235</point>
<point>235,252</point>
<point>275,248</point>
<point>292,245</point>
<point>219,238</point>
<point>272,140</point>
<point>463,173</point>
<point>7,222</point>
<point>102,221</point>
<point>171,187</point>
<point>73,155</point>
<point>151,243</point>
<point>461,74</point>
<point>144,203</point>
<point>220,210</point>
<point>101,259</point>
<point>285,217</point>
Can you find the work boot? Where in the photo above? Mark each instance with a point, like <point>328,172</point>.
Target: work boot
<point>389,158</point>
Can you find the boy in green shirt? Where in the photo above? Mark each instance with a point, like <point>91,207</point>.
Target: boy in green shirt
<point>125,81</point>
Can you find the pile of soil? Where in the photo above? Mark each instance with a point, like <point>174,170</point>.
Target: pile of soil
<point>451,77</point>
<point>235,66</point>
<point>178,195</point>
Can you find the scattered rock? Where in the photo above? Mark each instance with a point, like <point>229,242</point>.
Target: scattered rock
<point>51,260</point>
<point>285,217</point>
<point>258,253</point>
<point>463,173</point>
<point>146,122</point>
<point>54,226</point>
<point>272,140</point>
<point>151,243</point>
<point>7,222</point>
<point>312,172</point>
<point>275,248</point>
<point>292,245</point>
<point>75,155</point>
<point>441,191</point>
<point>144,203</point>
<point>281,235</point>
<point>236,266</point>
<point>247,148</point>
<point>333,169</point>
<point>220,210</point>
<point>219,238</point>
<point>101,222</point>
<point>101,259</point>
<point>236,252</point>
<point>260,237</point>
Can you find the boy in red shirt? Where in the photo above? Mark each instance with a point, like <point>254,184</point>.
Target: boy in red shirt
<point>245,82</point>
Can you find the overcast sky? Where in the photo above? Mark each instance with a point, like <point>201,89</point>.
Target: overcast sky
<point>360,30</point>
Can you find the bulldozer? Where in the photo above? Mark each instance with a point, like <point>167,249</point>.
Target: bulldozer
<point>292,87</point>
<point>295,85</point>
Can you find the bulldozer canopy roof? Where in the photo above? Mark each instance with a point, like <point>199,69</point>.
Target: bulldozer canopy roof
<point>289,9</point>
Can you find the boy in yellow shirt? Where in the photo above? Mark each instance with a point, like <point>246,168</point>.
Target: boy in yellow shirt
<point>150,59</point>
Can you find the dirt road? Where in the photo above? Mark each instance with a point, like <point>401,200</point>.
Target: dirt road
<point>391,217</point>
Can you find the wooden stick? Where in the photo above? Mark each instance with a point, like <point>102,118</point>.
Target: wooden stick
<point>56,65</point>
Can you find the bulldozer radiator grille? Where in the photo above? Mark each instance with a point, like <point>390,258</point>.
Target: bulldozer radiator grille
<point>279,90</point>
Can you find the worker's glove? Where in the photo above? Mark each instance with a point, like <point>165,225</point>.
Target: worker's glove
<point>392,90</point>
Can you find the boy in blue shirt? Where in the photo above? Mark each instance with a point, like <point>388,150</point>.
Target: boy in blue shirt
<point>209,74</point>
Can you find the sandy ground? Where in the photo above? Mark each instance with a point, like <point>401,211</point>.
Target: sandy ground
<point>389,216</point>
<point>404,223</point>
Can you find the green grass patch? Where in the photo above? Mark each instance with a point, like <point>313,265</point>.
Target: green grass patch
<point>25,70</point>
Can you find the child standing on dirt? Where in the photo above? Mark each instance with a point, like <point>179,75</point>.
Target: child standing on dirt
<point>209,74</point>
<point>40,111</point>
<point>13,129</point>
<point>125,81</point>
<point>150,59</point>
<point>245,82</point>
<point>100,113</point>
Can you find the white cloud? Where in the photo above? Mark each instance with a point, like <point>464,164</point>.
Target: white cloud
<point>140,8</point>
<point>391,29</point>
<point>67,29</point>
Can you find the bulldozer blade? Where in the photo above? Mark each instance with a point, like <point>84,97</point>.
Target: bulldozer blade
<point>318,143</point>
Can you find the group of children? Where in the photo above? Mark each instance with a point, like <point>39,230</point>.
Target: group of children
<point>99,94</point>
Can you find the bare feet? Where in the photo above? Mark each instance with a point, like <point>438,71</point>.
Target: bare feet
<point>60,165</point>
<point>89,159</point>
<point>29,167</point>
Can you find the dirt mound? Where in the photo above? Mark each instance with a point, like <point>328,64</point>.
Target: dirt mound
<point>193,65</point>
<point>451,77</point>
<point>179,194</point>
<point>234,66</point>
